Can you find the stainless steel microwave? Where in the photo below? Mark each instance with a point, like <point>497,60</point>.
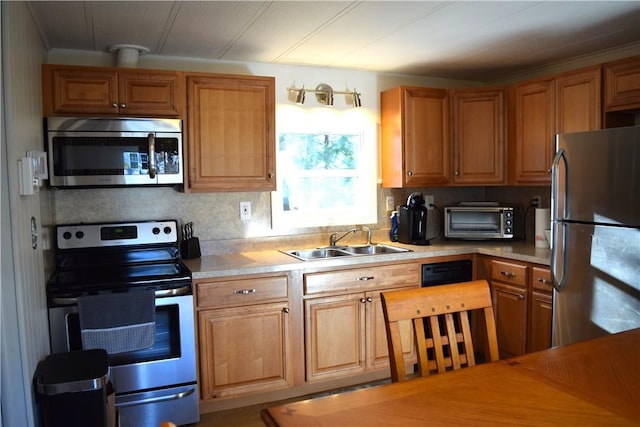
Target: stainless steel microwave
<point>479,222</point>
<point>114,152</point>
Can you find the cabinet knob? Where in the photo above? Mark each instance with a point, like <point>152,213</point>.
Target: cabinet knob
<point>114,105</point>
<point>362,300</point>
<point>409,173</point>
<point>520,296</point>
<point>456,173</point>
<point>285,310</point>
<point>123,105</point>
<point>369,299</point>
<point>271,175</point>
<point>545,281</point>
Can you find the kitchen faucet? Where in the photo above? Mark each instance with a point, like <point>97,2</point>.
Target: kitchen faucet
<point>333,239</point>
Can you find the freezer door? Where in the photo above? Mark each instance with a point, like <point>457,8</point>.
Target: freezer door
<point>596,176</point>
<point>598,272</point>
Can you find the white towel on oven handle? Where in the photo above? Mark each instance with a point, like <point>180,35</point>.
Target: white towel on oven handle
<point>118,322</point>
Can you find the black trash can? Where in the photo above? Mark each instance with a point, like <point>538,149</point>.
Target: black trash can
<point>71,389</point>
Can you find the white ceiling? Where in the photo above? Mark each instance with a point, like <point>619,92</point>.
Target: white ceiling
<point>473,40</point>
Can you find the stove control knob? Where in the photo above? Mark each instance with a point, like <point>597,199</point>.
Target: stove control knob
<point>66,235</point>
<point>79,234</point>
<point>167,230</point>
<point>155,230</point>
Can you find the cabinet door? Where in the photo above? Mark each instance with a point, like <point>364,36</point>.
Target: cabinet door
<point>578,101</point>
<point>540,310</point>
<point>377,347</point>
<point>243,349</point>
<point>77,91</point>
<point>539,336</point>
<point>510,309</point>
<point>147,93</point>
<point>534,131</point>
<point>415,137</point>
<point>622,84</point>
<point>334,336</point>
<point>231,133</point>
<point>479,137</point>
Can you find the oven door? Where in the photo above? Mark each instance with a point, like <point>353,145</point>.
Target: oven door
<point>171,360</point>
<point>114,158</point>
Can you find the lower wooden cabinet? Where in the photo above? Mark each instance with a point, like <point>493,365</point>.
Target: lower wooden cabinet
<point>540,310</point>
<point>346,335</point>
<point>243,336</point>
<point>344,331</point>
<point>522,304</point>
<point>510,309</point>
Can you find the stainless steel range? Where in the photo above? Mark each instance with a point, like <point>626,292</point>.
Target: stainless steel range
<point>100,268</point>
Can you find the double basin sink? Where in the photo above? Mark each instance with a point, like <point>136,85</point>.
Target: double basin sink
<point>343,251</point>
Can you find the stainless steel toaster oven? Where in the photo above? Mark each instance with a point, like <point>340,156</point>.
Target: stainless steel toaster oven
<point>479,222</point>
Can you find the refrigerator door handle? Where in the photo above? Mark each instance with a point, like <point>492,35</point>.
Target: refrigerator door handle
<point>558,263</point>
<point>556,206</point>
<point>558,228</point>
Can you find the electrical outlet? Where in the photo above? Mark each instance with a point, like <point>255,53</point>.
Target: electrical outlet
<point>536,202</point>
<point>245,211</point>
<point>428,202</point>
<point>391,203</point>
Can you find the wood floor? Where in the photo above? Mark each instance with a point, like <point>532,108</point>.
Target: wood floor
<point>250,415</point>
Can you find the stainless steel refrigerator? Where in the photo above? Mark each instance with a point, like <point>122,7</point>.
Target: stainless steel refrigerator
<point>595,220</point>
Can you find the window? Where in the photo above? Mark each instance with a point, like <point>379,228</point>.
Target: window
<point>324,178</point>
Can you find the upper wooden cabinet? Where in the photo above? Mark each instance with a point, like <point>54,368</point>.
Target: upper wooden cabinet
<point>80,90</point>
<point>479,130</point>
<point>533,130</point>
<point>565,103</point>
<point>231,133</point>
<point>415,137</point>
<point>622,84</point>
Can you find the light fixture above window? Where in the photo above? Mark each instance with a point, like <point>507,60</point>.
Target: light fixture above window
<point>324,95</point>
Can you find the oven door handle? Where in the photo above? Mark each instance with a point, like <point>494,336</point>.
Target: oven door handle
<point>173,396</point>
<point>184,290</point>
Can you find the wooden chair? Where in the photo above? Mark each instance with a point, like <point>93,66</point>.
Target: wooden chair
<point>441,311</point>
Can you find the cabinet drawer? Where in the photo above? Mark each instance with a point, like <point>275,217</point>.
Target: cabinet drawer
<point>359,279</point>
<point>507,272</point>
<point>541,279</point>
<point>226,293</point>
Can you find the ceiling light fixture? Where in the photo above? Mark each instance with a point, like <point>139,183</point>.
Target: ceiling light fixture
<point>324,95</point>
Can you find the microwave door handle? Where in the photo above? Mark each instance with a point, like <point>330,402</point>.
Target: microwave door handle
<point>152,156</point>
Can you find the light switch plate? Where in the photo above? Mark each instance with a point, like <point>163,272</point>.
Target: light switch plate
<point>391,204</point>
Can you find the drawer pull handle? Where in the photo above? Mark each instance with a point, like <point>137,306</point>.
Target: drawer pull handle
<point>244,292</point>
<point>545,281</point>
<point>508,274</point>
<point>365,278</point>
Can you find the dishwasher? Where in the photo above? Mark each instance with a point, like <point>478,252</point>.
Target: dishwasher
<point>444,273</point>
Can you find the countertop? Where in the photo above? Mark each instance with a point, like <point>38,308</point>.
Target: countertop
<point>270,261</point>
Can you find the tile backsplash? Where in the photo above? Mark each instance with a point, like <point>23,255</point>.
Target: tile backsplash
<point>217,222</point>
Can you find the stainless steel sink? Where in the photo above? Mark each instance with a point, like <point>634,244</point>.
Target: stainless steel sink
<point>374,249</point>
<point>340,251</point>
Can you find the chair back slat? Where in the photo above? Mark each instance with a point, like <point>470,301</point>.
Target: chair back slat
<point>440,318</point>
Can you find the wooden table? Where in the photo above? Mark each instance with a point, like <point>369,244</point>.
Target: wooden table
<point>592,383</point>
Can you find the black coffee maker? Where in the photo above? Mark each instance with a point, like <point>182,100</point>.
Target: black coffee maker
<point>412,226</point>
